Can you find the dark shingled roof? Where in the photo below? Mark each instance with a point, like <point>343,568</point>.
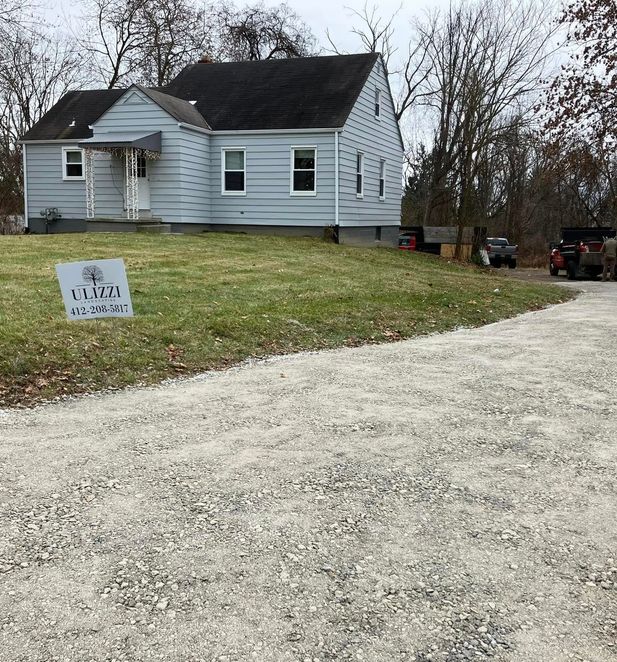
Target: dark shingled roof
<point>297,93</point>
<point>82,108</point>
<point>180,109</point>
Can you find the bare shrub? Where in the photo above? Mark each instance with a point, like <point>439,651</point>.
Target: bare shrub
<point>11,224</point>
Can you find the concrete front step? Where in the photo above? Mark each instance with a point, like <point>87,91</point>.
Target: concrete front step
<point>154,228</point>
<point>119,224</point>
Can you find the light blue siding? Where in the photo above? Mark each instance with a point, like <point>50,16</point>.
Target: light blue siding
<point>46,188</point>
<point>268,171</point>
<point>136,112</point>
<point>179,179</point>
<point>378,139</point>
<point>109,185</point>
<point>195,176</point>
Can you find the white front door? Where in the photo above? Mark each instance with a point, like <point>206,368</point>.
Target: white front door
<point>143,181</point>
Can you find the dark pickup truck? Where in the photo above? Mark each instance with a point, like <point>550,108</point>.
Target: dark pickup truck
<point>500,251</point>
<point>579,253</point>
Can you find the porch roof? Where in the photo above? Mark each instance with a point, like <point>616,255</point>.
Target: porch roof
<point>150,140</point>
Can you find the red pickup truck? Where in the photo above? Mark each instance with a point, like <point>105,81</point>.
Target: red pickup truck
<point>579,252</point>
<point>407,242</point>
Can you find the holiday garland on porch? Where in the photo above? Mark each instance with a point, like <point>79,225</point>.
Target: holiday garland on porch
<point>119,152</point>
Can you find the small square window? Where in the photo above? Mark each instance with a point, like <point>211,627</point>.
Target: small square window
<point>233,164</point>
<point>303,171</point>
<point>72,164</point>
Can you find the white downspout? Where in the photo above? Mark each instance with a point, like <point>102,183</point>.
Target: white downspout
<point>25,168</point>
<point>336,180</point>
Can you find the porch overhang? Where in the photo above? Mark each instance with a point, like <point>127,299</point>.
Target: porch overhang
<point>150,141</point>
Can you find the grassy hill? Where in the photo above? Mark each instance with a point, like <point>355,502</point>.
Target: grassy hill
<point>212,300</point>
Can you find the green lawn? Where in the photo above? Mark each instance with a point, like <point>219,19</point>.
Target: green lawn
<point>213,300</point>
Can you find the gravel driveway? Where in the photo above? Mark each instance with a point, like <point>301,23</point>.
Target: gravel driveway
<point>446,498</point>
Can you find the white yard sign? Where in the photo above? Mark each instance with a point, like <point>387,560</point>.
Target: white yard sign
<point>96,288</point>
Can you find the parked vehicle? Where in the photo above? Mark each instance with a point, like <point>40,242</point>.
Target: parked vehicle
<point>579,252</point>
<point>407,242</point>
<point>441,240</point>
<point>500,251</point>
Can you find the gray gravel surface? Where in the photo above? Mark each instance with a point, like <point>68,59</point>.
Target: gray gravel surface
<point>446,498</point>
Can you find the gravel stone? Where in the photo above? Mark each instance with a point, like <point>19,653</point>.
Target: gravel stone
<point>448,498</point>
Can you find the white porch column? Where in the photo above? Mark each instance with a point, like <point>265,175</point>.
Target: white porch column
<point>89,177</point>
<point>132,184</point>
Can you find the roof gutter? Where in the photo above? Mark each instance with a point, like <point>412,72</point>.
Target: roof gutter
<point>50,141</point>
<point>23,155</point>
<point>336,180</point>
<point>243,132</point>
<point>192,127</point>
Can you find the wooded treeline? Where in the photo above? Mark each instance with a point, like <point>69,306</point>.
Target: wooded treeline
<point>510,145</point>
<point>508,107</point>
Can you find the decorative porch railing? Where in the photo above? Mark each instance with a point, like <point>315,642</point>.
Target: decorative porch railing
<point>132,184</point>
<point>89,177</point>
<point>131,180</point>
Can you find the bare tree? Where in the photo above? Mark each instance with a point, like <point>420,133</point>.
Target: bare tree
<point>588,178</point>
<point>582,99</point>
<point>484,64</point>
<point>257,32</point>
<point>580,110</point>
<point>373,30</point>
<point>111,34</point>
<point>174,34</point>
<point>149,41</point>
<point>36,69</point>
<point>11,10</point>
<point>376,34</point>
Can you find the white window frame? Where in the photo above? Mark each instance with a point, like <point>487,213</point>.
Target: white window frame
<point>382,170</point>
<point>292,157</point>
<point>360,156</point>
<point>377,105</point>
<point>224,150</point>
<point>73,178</point>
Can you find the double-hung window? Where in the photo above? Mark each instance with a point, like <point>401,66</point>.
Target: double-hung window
<point>233,176</point>
<point>72,163</point>
<point>303,171</point>
<point>377,103</point>
<point>360,175</point>
<point>382,180</point>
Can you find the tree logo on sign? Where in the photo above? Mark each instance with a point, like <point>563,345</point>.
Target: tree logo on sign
<point>92,274</point>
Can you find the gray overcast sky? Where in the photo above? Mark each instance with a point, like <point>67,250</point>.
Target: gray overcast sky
<point>338,16</point>
<point>335,15</point>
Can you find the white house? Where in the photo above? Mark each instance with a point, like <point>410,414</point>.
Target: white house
<point>279,146</point>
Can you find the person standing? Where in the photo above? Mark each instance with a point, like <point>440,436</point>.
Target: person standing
<point>609,250</point>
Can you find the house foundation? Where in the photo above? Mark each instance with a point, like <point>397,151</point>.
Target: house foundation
<point>369,236</point>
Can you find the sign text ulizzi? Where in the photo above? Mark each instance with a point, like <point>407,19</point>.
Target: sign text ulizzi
<point>86,293</point>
